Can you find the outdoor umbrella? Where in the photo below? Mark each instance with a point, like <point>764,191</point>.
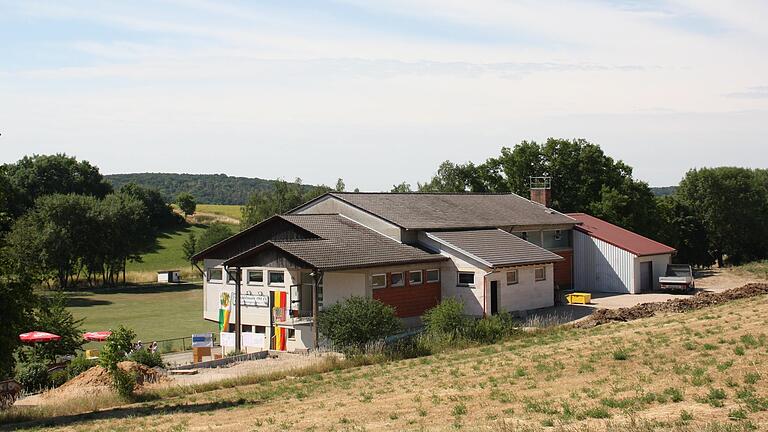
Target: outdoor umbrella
<point>99,336</point>
<point>37,336</point>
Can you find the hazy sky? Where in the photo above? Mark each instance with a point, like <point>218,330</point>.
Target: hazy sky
<point>381,92</point>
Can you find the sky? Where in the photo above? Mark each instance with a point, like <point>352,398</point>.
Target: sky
<point>381,92</point>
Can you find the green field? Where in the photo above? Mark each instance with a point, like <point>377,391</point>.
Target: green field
<point>165,255</point>
<point>153,312</point>
<point>232,211</point>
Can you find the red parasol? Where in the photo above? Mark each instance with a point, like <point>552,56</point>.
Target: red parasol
<point>37,336</point>
<point>99,336</point>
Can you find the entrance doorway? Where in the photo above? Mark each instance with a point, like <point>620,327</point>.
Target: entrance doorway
<point>494,297</point>
<point>646,276</point>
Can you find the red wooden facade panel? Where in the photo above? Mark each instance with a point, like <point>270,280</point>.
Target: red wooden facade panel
<point>409,300</point>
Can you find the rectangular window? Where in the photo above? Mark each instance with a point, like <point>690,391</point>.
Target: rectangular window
<point>512,277</point>
<point>433,275</point>
<point>291,333</point>
<point>466,279</point>
<point>232,276</point>
<point>414,277</point>
<point>276,278</point>
<point>255,277</point>
<point>378,281</point>
<point>215,274</point>
<point>396,279</point>
<point>540,273</point>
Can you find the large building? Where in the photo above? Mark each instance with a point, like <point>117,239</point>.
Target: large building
<point>495,252</point>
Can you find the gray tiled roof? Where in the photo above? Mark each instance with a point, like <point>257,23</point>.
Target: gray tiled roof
<point>427,211</point>
<point>344,243</point>
<point>495,247</point>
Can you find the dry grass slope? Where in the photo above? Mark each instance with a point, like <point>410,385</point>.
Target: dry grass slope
<point>700,370</point>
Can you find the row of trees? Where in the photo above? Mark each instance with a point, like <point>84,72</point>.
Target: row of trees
<point>716,214</point>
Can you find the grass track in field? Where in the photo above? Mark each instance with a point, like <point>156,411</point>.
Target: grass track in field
<point>232,211</point>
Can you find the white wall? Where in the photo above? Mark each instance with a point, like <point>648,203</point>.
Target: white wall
<point>602,267</point>
<point>659,268</point>
<point>338,286</point>
<point>527,293</point>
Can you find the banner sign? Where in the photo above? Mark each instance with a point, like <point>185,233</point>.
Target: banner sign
<point>225,309</point>
<point>202,340</point>
<point>227,339</point>
<point>254,340</point>
<point>249,299</point>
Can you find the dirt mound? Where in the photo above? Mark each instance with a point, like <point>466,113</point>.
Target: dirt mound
<point>645,310</point>
<point>97,379</point>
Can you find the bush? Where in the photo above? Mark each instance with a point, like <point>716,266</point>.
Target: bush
<point>446,318</point>
<point>33,376</point>
<point>357,321</point>
<point>79,365</point>
<point>117,347</point>
<point>124,382</point>
<point>147,358</point>
<point>58,377</point>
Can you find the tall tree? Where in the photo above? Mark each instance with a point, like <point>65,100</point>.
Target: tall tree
<point>681,227</point>
<point>186,203</point>
<point>51,315</point>
<point>284,197</point>
<point>40,175</point>
<point>401,188</point>
<point>160,214</point>
<point>16,304</point>
<point>732,203</point>
<point>215,233</point>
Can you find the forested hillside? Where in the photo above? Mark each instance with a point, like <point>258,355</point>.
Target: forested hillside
<point>664,190</point>
<point>206,188</point>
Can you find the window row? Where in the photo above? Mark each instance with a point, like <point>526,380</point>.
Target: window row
<point>467,279</point>
<point>397,279</point>
<point>253,277</point>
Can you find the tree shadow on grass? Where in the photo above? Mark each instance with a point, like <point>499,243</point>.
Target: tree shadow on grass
<point>82,298</point>
<point>128,412</point>
<point>168,233</point>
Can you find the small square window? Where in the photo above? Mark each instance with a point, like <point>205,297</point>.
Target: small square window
<point>466,279</point>
<point>512,277</point>
<point>232,275</point>
<point>558,234</point>
<point>378,281</point>
<point>540,273</point>
<point>256,277</point>
<point>414,277</point>
<point>396,279</point>
<point>433,276</point>
<point>291,333</point>
<point>215,274</point>
<point>276,278</point>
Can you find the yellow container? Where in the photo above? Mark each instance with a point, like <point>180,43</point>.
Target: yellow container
<point>91,353</point>
<point>583,298</point>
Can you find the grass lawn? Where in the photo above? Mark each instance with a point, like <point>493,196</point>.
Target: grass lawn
<point>153,312</point>
<point>703,370</point>
<point>232,211</point>
<point>166,255</point>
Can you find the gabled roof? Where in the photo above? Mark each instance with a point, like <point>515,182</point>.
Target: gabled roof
<point>618,236</point>
<point>494,247</point>
<point>340,244</point>
<point>434,211</point>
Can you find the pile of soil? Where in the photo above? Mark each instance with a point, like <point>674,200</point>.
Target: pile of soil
<point>97,379</point>
<point>645,310</point>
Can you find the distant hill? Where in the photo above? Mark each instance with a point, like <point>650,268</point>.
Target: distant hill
<point>663,190</point>
<point>206,188</point>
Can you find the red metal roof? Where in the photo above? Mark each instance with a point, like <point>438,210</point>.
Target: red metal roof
<point>618,236</point>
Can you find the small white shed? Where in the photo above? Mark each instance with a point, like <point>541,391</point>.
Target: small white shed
<point>608,258</point>
<point>169,276</point>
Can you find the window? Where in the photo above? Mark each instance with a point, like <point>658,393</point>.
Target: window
<point>291,333</point>
<point>276,278</point>
<point>540,274</point>
<point>433,275</point>
<point>414,277</point>
<point>558,234</point>
<point>255,277</point>
<point>378,281</point>
<point>512,277</point>
<point>396,279</point>
<point>466,279</point>
<point>215,274</point>
<point>232,275</point>
<point>524,235</point>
